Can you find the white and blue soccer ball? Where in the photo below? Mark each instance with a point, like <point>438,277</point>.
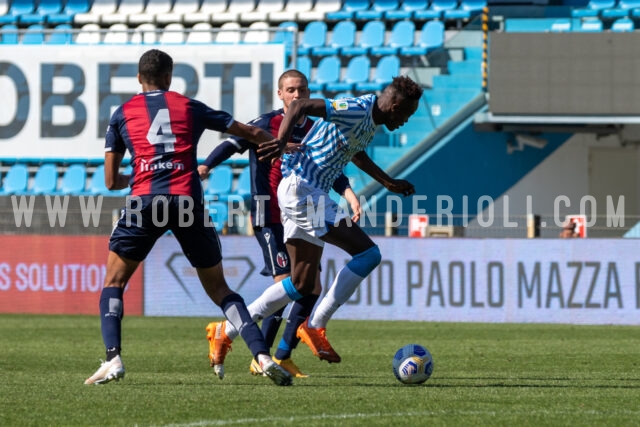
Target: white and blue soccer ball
<point>412,364</point>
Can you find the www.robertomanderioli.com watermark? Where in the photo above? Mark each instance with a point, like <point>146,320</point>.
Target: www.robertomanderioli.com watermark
<point>482,211</point>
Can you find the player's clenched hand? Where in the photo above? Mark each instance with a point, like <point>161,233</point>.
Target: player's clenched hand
<point>275,148</point>
<point>401,186</point>
<point>203,171</point>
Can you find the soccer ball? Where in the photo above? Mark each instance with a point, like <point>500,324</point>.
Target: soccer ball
<point>412,364</point>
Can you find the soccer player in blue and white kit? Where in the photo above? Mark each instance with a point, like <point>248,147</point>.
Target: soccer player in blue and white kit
<point>267,226</point>
<point>345,129</point>
<point>161,130</point>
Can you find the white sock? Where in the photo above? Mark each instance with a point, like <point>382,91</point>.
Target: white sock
<point>343,286</point>
<point>272,299</point>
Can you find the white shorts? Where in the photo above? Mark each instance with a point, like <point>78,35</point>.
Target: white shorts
<point>306,210</point>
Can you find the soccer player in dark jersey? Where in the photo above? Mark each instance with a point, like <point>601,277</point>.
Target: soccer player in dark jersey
<point>161,130</point>
<point>265,220</point>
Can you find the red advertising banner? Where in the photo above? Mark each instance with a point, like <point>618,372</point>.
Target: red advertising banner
<point>58,275</point>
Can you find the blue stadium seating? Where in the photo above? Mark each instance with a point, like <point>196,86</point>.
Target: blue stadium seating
<point>45,180</point>
<point>343,35</point>
<point>73,180</point>
<point>372,35</point>
<point>9,34</point>
<point>357,72</point>
<point>285,37</point>
<point>39,15</point>
<point>16,180</point>
<point>61,34</point>
<point>349,8</point>
<point>314,35</point>
<point>457,81</point>
<point>304,66</point>
<point>17,8</point>
<point>436,9</point>
<point>97,185</point>
<point>590,25</point>
<point>243,186</point>
<point>377,10</point>
<point>465,10</point>
<point>328,71</point>
<point>71,8</point>
<point>219,183</point>
<point>34,34</point>
<point>593,8</point>
<point>387,68</point>
<point>431,38</point>
<point>623,25</point>
<point>406,9</point>
<point>402,35</point>
<point>219,213</point>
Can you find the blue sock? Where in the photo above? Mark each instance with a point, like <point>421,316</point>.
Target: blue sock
<point>111,312</point>
<point>235,310</point>
<point>300,310</point>
<point>270,326</point>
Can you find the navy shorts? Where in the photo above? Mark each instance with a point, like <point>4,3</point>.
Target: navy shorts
<point>274,251</point>
<point>146,218</point>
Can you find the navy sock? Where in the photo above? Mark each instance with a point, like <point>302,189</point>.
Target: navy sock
<point>300,310</point>
<point>111,312</point>
<point>270,326</point>
<point>235,310</point>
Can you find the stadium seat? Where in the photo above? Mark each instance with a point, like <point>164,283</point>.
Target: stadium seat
<point>17,9</point>
<point>402,35</point>
<point>234,11</point>
<point>4,7</point>
<point>201,33</point>
<point>89,34</point>
<point>46,179</point>
<point>431,37</point>
<point>184,11</point>
<point>219,214</point>
<point>172,34</point>
<point>15,182</point>
<point>98,8</point>
<point>304,66</point>
<point>623,25</point>
<point>387,68</point>
<point>146,33</point>
<point>70,9</point>
<point>117,34</point>
<point>328,71</point>
<point>342,35</point>
<point>97,185</point>
<point>465,10</point>
<point>561,25</point>
<point>121,15</point>
<point>39,15</point>
<point>73,180</point>
<point>406,9</point>
<point>9,34</point>
<point>291,10</point>
<point>320,10</point>
<point>258,32</point>
<point>593,8</point>
<point>61,34</point>
<point>219,183</point>
<point>622,9</point>
<point>148,15</point>
<point>262,11</point>
<point>34,34</point>
<point>286,37</point>
<point>314,35</point>
<point>590,25</point>
<point>230,33</point>
<point>349,8</point>
<point>436,10</point>
<point>377,10</point>
<point>357,72</point>
<point>372,35</point>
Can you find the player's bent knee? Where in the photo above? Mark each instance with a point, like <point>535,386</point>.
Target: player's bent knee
<point>365,262</point>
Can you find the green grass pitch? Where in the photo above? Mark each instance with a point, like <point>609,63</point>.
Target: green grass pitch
<point>485,374</point>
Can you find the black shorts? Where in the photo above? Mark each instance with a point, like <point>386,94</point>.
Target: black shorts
<point>274,251</point>
<point>146,218</point>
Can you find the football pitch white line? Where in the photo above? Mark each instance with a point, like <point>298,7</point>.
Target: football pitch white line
<point>302,418</point>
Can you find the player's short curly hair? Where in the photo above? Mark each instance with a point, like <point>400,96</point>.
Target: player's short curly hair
<point>154,64</point>
<point>407,88</point>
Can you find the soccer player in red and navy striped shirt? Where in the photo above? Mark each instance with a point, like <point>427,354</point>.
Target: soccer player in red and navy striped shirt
<point>161,130</point>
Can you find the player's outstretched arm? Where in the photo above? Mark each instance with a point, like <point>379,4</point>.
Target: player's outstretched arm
<point>251,133</point>
<point>113,179</point>
<point>364,162</point>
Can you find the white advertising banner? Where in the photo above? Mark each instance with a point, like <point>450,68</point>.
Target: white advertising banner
<point>57,100</point>
<point>576,281</point>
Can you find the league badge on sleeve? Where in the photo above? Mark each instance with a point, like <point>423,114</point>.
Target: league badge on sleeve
<point>340,105</point>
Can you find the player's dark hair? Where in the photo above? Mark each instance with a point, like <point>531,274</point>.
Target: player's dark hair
<point>154,64</point>
<point>292,73</point>
<point>406,88</point>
